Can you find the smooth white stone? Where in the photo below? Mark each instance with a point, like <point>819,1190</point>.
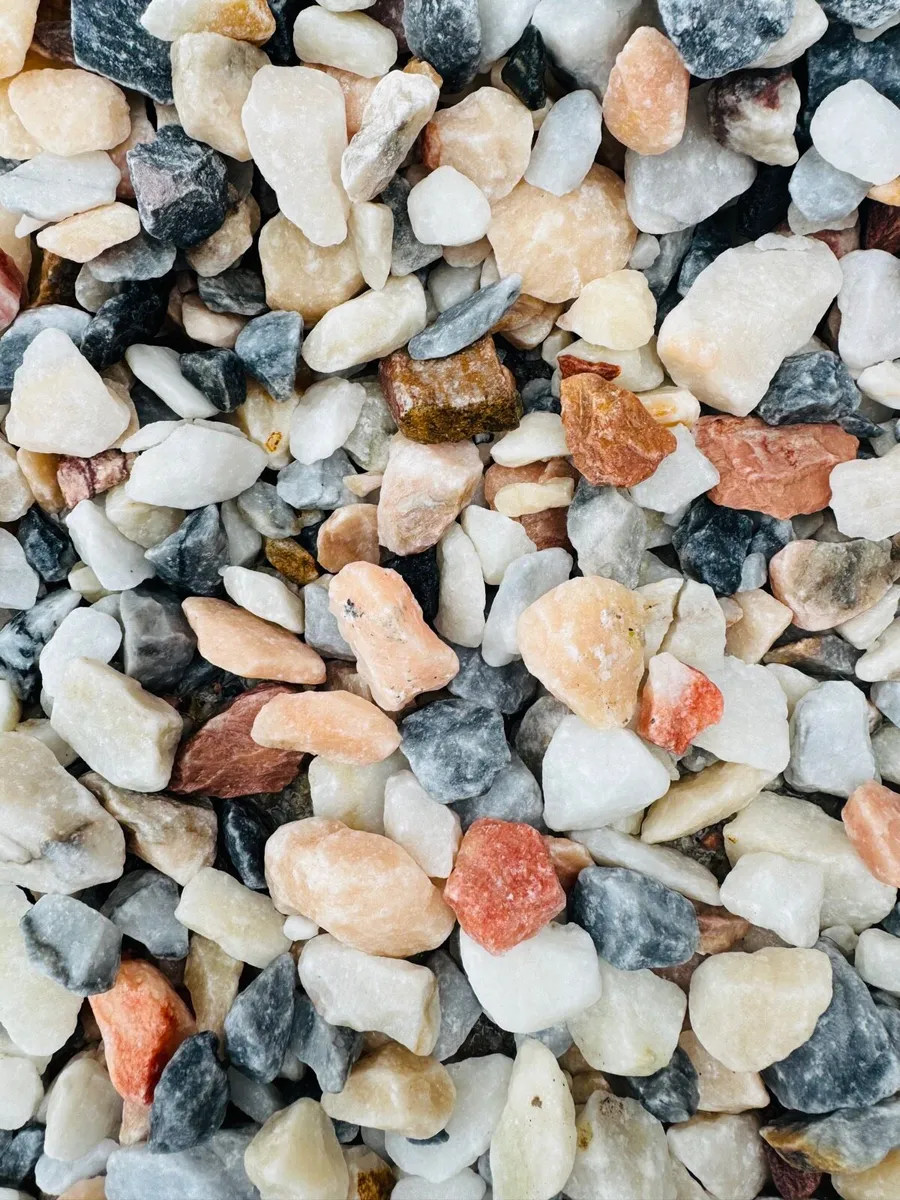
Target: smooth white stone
<point>611,848</point>
<point>808,25</point>
<point>399,108</point>
<point>158,367</point>
<point>15,494</point>
<point>622,1151</point>
<point>681,477</point>
<point>84,633</point>
<point>428,831</point>
<point>19,582</point>
<point>498,540</point>
<point>325,418</point>
<point>754,724</point>
<point>481,1087</point>
<point>118,563</point>
<point>578,756</point>
<point>244,923</point>
<point>857,130</point>
<point>150,435</point>
<point>448,209</point>
<point>533,1146</point>
<point>462,597</point>
<point>300,929</point>
<point>350,41</point>
<point>633,1028</point>
<point>869,301</point>
<point>372,230</point>
<point>295,123</point>
<point>526,579</point>
<point>696,635</point>
<point>265,596</point>
<point>502,24</point>
<point>830,746</point>
<point>877,959</point>
<point>352,794</point>
<point>52,188</point>
<point>724,1151</point>
<point>793,683</point>
<point>539,436</point>
<point>146,524</point>
<point>618,311</point>
<point>197,465</point>
<point>368,992</point>
<point>59,404</point>
<point>746,312</point>
<point>640,370</point>
<point>778,824</point>
<point>777,893</point>
<point>37,1013</point>
<point>882,661</point>
<point>540,982</point>
<point>464,1186</point>
<point>244,542</point>
<point>83,1108</point>
<point>863,631</point>
<point>368,327</point>
<point>21,1091</point>
<point>567,144</point>
<point>865,496</point>
<point>881,382</point>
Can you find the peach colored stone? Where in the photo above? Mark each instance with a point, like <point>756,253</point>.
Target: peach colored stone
<point>645,105</point>
<point>12,290</point>
<point>356,88</point>
<point>677,703</point>
<point>719,929</point>
<point>17,21</point>
<point>487,137</point>
<point>70,111</point>
<point>243,20</point>
<point>397,654</point>
<point>764,621</point>
<point>84,236</point>
<point>583,641</point>
<point>338,725</point>
<point>560,243</point>
<point>872,823</point>
<point>886,193</point>
<point>349,535</point>
<point>303,277</point>
<point>613,439</point>
<point>361,887</point>
<point>827,583</point>
<point>86,1189</point>
<point>497,477</point>
<point>569,859</point>
<point>423,491</point>
<point>397,1091</point>
<point>235,640</point>
<point>143,1021</point>
<point>782,470</point>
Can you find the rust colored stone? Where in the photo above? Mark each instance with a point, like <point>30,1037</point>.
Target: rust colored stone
<point>791,1182</point>
<point>289,557</point>
<point>782,470</point>
<point>570,365</point>
<point>872,822</point>
<point>613,439</point>
<point>882,227</point>
<point>569,859</point>
<point>719,929</point>
<point>547,528</point>
<point>349,535</point>
<point>40,471</point>
<point>677,703</point>
<point>54,281</point>
<point>12,290</point>
<point>223,760</point>
<point>143,1022</point>
<point>503,888</point>
<point>450,399</point>
<point>81,478</point>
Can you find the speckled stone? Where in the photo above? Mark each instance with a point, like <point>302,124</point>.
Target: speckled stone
<point>191,1097</point>
<point>459,1006</point>
<point>508,688</point>
<point>269,347</point>
<point>136,314</point>
<point>258,1025</point>
<point>712,543</point>
<point>72,943</point>
<point>714,39</point>
<point>455,748</point>
<point>447,34</point>
<point>523,71</point>
<point>108,38</point>
<point>190,558</point>
<point>180,186</point>
<point>157,642</point>
<point>851,1139</point>
<point>46,544</point>
<point>219,374</point>
<point>24,637</point>
<point>136,260</point>
<point>813,388</point>
<point>245,830</point>
<point>671,1094</point>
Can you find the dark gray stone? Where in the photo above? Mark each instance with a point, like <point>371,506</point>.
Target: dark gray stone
<point>46,545</point>
<point>809,388</point>
<point>839,56</point>
<point>136,314</point>
<point>513,796</point>
<point>712,542</point>
<point>258,1025</point>
<point>141,258</point>
<point>523,71</point>
<point>455,748</point>
<point>715,38</point>
<point>536,729</point>
<point>670,1094</point>
<point>508,688</point>
<point>447,34</point>
<point>244,832</point>
<point>269,348</point>
<point>181,187</point>
<point>25,636</point>
<point>234,291</point>
<point>459,1004</point>
<point>72,943</point>
<point>219,374</point>
<point>329,1050</point>
<point>109,39</point>
<point>19,1153</point>
<point>158,643</point>
<point>190,558</point>
<point>191,1098</point>
<point>466,322</point>
<point>142,905</point>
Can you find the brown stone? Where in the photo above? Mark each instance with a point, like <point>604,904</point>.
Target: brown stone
<point>40,473</point>
<point>291,560</point>
<point>719,929</point>
<point>81,478</point>
<point>487,137</point>
<point>349,535</point>
<point>569,859</point>
<point>54,282</point>
<point>613,439</point>
<point>645,105</point>
<point>826,655</point>
<point>423,491</point>
<point>450,399</point>
<point>397,654</point>
<point>546,528</point>
<point>681,974</point>
<point>583,641</point>
<point>826,583</point>
<point>782,470</point>
<point>792,1181</point>
<point>336,725</point>
<point>222,759</point>
<point>882,227</point>
<point>237,641</point>
<point>356,88</point>
<point>570,365</point>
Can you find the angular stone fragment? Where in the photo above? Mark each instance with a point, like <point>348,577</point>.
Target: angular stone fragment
<point>245,20</point>
<point>723,1151</point>
<point>191,1097</point>
<point>423,490</point>
<point>302,276</point>
<point>69,111</point>
<point>81,478</point>
<point>180,187</point>
<point>391,908</point>
<point>449,39</point>
<point>211,977</point>
<point>645,104</point>
<point>611,436</point>
<point>777,893</point>
<point>635,922</point>
<point>621,1150</point>
<point>677,703</point>
<point>870,817</point>
<point>567,143</point>
<point>51,187</point>
<point>699,800</point>
<point>845,1141</point>
<point>754,113</point>
<point>826,583</point>
<point>399,107</point>
<point>830,746</point>
<point>295,1148</point>
<point>244,923</point>
<point>336,724</point>
<point>237,641</point>
<point>258,1025</point>
<point>713,43</point>
<point>371,326</point>
<point>863,497</point>
<point>397,1091</point>
<point>720,1089</point>
<point>211,77</point>
<point>455,748</point>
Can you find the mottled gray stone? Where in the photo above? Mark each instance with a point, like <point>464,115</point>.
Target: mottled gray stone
<point>536,730</point>
<point>821,191</point>
<point>158,643</point>
<point>330,1050</point>
<point>459,1005</point>
<point>851,1139</point>
<point>320,625</point>
<point>447,34</point>
<point>142,905</point>
<point>211,1171</point>
<point>317,485</point>
<point>142,257</point>
<point>670,1094</point>
<point>191,1098</point>
<point>408,254</point>
<point>508,688</point>
<point>513,796</point>
<point>269,348</point>
<point>190,558</point>
<point>466,322</point>
<point>609,533</point>
<point>25,636</point>
<point>715,38</point>
<point>455,748</point>
<point>831,750</point>
<point>258,1026</point>
<point>263,508</point>
<point>72,943</point>
<point>181,187</point>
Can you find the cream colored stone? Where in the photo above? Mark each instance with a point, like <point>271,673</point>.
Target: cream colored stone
<point>671,406</point>
<point>306,278</point>
<point>424,489</point>
<point>371,326</point>
<point>350,41</point>
<point>83,1108</point>
<point>246,20</point>
<point>220,330</point>
<point>17,20</point>
<point>211,78</point>
<point>70,111</point>
<point>296,1153</point>
<point>721,1089</point>
<point>15,140</point>
<point>618,311</point>
<point>267,423</point>
<point>146,524</point>
<point>397,1091</point>
<point>487,136</point>
<point>372,231</point>
<point>211,977</point>
<point>695,801</point>
<point>83,237</point>
<point>243,923</point>
<point>15,495</point>
<point>724,1151</point>
<point>18,248</point>
<point>223,249</point>
<point>764,620</point>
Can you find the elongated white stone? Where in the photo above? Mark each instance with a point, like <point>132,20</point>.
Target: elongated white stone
<point>19,582</point>
<point>265,596</point>
<point>51,188</point>
<point>197,465</point>
<point>158,367</point>
<point>370,326</point>
<point>84,633</point>
<point>244,923</point>
<point>117,562</point>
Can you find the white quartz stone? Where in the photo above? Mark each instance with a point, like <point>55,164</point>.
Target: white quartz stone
<point>830,746</point>
<point>498,540</point>
<point>197,465</point>
<point>325,418</point>
<point>350,41</point>
<point>869,301</point>
<point>696,635</point>
<point>244,923</point>
<point>881,382</point>
<point>724,1151</point>
<point>877,959</point>
<point>428,831</point>
<point>526,579</point>
<point>117,562</point>
<point>777,893</point>
<point>612,848</point>
<point>882,659</point>
<point>265,596</point>
<point>567,144</point>
<point>84,633</point>
<point>368,327</point>
<point>19,582</point>
<point>158,367</point>
<point>51,188</point>
<point>462,597</point>
<point>865,496</point>
<point>863,631</point>
<point>682,476</point>
<point>583,37</point>
<point>372,230</point>
<point>352,794</point>
<point>83,1108</point>
<point>539,436</point>
<point>754,724</point>
<point>448,209</point>
<point>857,130</point>
<point>621,1152</point>
<point>21,1091</point>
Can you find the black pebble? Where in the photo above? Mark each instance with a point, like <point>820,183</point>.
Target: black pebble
<point>711,238</point>
<point>110,40</point>
<point>47,545</point>
<point>258,1025</point>
<point>280,46</point>
<point>236,291</point>
<point>149,407</point>
<point>189,559</point>
<point>671,1094</point>
<point>764,204</point>
<point>245,831</point>
<point>714,38</point>
<point>712,543</point>
<point>191,1098</point>
<point>447,34</point>
<point>525,365</point>
<point>136,314</point>
<point>219,375</point>
<point>158,643</point>
<point>269,348</point>
<point>809,388</point>
<point>839,56</point>
<point>455,748</point>
<point>523,71</point>
<point>420,572</point>
<point>19,1153</point>
<point>181,187</point>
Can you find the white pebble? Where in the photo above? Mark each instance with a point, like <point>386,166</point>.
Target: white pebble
<point>325,418</point>
<point>777,893</point>
<point>159,368</point>
<point>21,1091</point>
<point>19,582</point>
<point>877,959</point>
<point>462,597</point>
<point>197,465</point>
<point>539,436</point>
<point>497,539</point>
<point>117,562</point>
<point>350,41</point>
<point>265,596</point>
<point>448,209</point>
<point>428,831</point>
<point>857,130</point>
<point>84,633</point>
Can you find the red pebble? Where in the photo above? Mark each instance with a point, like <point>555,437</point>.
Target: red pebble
<point>504,887</point>
<point>143,1022</point>
<point>81,478</point>
<point>12,285</point>
<point>789,1182</point>
<point>677,703</point>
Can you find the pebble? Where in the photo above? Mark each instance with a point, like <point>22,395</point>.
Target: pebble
<point>258,1025</point>
<point>297,1147</point>
<point>842,1141</point>
<point>51,187</point>
<point>724,1151</point>
<point>191,1097</point>
<point>611,436</point>
<point>371,326</point>
<point>157,643</point>
<point>399,1092</point>
<point>566,145</point>
<point>523,71</point>
<point>698,800</point>
<point>243,923</point>
<point>463,324</point>
<point>857,101</point>
<point>621,1150</point>
<point>73,944</point>
<point>450,40</point>
<point>336,724</point>
<point>399,107</point>
<point>142,907</point>
<point>237,641</point>
<point>180,187</point>
<point>672,1093</point>
<point>83,1109</point>
<point>645,105</point>
<point>486,136</point>
<point>832,714</point>
<point>23,638</point>
<point>677,704</point>
<point>269,348</point>
<point>713,43</point>
<point>455,748</point>
<point>777,893</point>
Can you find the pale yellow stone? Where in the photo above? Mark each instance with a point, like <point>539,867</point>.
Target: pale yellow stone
<point>296,1156</point>
<point>397,1091</point>
<point>751,1010</point>
<point>618,311</point>
<point>15,140</point>
<point>84,236</point>
<point>695,801</point>
<point>472,255</point>
<point>487,136</point>
<point>886,193</point>
<point>303,277</point>
<point>372,232</point>
<point>245,20</point>
<point>764,619</point>
<point>212,977</point>
<point>18,248</point>
<point>350,41</point>
<point>146,524</point>
<point>17,21</point>
<point>211,78</point>
<point>15,495</point>
<point>267,422</point>
<point>558,244</point>
<point>671,406</point>
<point>70,111</point>
<point>519,499</point>
<point>228,243</point>
<point>370,326</point>
<point>243,923</point>
<point>722,1090</point>
<point>881,1182</point>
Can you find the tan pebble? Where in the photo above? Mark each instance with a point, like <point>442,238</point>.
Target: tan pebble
<point>211,977</point>
<point>344,677</point>
<point>397,1091</point>
<point>583,641</point>
<point>645,106</point>
<point>246,20</point>
<point>220,330</point>
<point>211,77</point>
<point>695,801</point>
<point>303,277</point>
<point>296,1154</point>
<point>228,243</point>
<point>826,583</point>
<point>17,21</point>
<point>763,622</point>
<point>398,655</point>
<point>560,243</point>
<point>618,311</point>
<point>70,111</point>
<point>83,237</point>
<point>267,422</point>
<point>487,136</point>
<point>356,88</point>
<point>349,535</point>
<point>244,923</point>
<point>135,1127</point>
<point>235,640</point>
<point>424,489</point>
<point>364,484</point>
<point>472,255</point>
<point>361,887</point>
<point>86,1189</point>
<point>338,725</point>
<point>722,1090</point>
<point>15,140</point>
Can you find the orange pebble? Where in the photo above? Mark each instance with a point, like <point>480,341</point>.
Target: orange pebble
<point>872,820</point>
<point>143,1022</point>
<point>569,859</point>
<point>338,725</point>
<point>677,703</point>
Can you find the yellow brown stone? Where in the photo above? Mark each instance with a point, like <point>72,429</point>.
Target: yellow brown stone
<point>291,560</point>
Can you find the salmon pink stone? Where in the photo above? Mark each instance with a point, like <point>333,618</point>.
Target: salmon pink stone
<point>872,823</point>
<point>677,703</point>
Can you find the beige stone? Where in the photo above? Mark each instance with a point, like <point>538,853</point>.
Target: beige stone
<point>336,724</point>
<point>15,495</point>
<point>880,1182</point>
<point>397,1091</point>
<point>583,641</point>
<point>245,20</point>
<point>361,887</point>
<point>40,473</point>
<point>228,243</point>
<point>146,524</point>
<point>18,248</point>
<point>618,311</point>
<point>235,640</point>
<point>696,801</point>
<point>297,1154</point>
<point>370,326</point>
<point>351,41</point>
<point>764,620</point>
<point>15,140</point>
<point>243,923</point>
<point>267,422</point>
<point>17,20</point>
<point>372,233</point>
<point>303,277</point>
<point>370,1176</point>
<point>349,535</point>
<point>211,77</point>
<point>671,406</point>
<point>84,236</point>
<point>424,489</point>
<point>70,111</point>
<point>487,136</point>
<point>722,1090</point>
<point>212,977</point>
<point>220,330</point>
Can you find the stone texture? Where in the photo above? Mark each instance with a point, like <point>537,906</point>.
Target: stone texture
<point>826,583</point>
<point>237,641</point>
<point>611,436</point>
<point>70,111</point>
<point>423,490</point>
<point>398,108</point>
<point>336,724</point>
<point>302,276</point>
<point>211,78</point>
<point>397,1091</point>
<point>297,1147</point>
<point>870,820</point>
<point>677,703</point>
<point>242,922</point>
